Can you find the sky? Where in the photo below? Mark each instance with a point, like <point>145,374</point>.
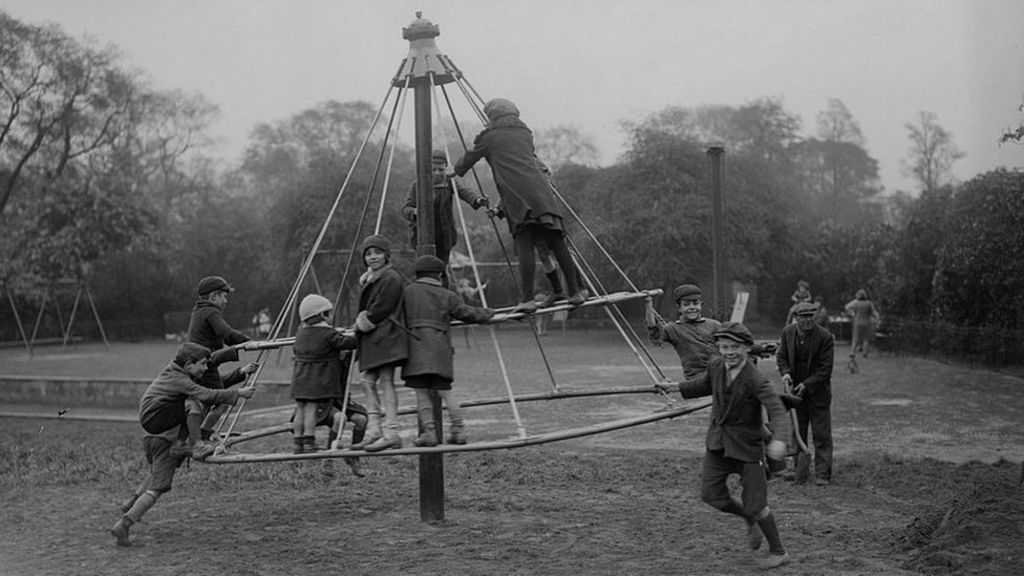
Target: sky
<point>592,64</point>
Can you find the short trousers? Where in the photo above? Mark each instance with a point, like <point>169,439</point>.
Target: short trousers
<point>717,468</point>
<point>161,464</point>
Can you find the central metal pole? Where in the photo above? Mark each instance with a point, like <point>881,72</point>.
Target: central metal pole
<point>718,274</point>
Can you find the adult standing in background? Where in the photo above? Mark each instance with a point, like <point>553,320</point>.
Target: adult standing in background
<point>864,315</point>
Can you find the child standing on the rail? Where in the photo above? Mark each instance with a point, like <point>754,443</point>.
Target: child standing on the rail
<point>735,440</point>
<point>317,374</point>
<point>382,342</point>
<point>527,199</point>
<point>207,327</point>
<point>162,413</point>
<point>429,309</point>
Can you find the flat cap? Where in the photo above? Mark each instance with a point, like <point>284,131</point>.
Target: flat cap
<point>686,291</point>
<point>805,309</point>
<point>428,264</point>
<point>736,332</point>
<point>212,284</point>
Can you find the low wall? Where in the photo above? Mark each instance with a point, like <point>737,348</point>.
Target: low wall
<point>107,392</point>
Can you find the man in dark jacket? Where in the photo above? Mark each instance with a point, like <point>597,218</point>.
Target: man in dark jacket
<point>736,436</point>
<point>804,360</point>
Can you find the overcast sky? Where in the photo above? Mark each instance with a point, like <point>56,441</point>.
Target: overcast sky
<point>593,64</point>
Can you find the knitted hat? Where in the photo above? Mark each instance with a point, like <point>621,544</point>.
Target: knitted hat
<point>686,291</point>
<point>376,241</point>
<point>313,305</point>
<point>428,264</point>
<point>439,157</point>
<point>499,107</point>
<point>736,332</point>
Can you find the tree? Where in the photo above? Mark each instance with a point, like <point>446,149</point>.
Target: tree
<point>565,144</point>
<point>1014,134</point>
<point>932,152</point>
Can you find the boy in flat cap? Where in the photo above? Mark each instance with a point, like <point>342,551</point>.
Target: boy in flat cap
<point>692,335</point>
<point>736,436</point>
<point>446,234</point>
<point>804,360</point>
<point>429,309</point>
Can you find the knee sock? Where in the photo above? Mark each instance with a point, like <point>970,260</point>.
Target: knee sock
<point>556,282</point>
<point>527,263</point>
<point>561,251</point>
<point>194,422</point>
<point>143,503</point>
<point>358,434</point>
<point>771,532</point>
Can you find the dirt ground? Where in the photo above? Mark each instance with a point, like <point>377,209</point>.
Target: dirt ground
<point>926,482</point>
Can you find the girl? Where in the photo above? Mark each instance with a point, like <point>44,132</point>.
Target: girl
<point>534,216</point>
<point>382,345</point>
<point>317,375</point>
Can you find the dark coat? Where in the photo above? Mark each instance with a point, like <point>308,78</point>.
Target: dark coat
<point>446,233</point>
<point>317,373</point>
<point>818,383</point>
<point>429,310</point>
<point>525,190</point>
<point>207,327</point>
<point>385,344</point>
<point>167,393</point>
<point>737,426</point>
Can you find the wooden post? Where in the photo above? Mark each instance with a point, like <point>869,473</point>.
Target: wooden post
<point>720,297</point>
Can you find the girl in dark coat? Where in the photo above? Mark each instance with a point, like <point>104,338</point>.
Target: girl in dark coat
<point>317,374</point>
<point>534,216</point>
<point>382,346</point>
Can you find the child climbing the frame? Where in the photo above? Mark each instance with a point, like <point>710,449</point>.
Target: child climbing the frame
<point>207,327</point>
<point>382,343</point>
<point>527,200</point>
<point>162,413</point>
<point>429,309</point>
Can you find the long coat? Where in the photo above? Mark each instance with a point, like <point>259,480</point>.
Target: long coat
<point>429,310</point>
<point>208,327</point>
<point>446,234</point>
<point>525,190</point>
<point>381,298</point>
<point>818,382</point>
<point>317,372</point>
<point>736,425</point>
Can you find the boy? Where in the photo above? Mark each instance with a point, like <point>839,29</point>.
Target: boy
<point>736,436</point>
<point>429,308</point>
<point>161,413</point>
<point>692,335</point>
<point>208,328</point>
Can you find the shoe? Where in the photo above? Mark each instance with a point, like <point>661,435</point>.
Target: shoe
<point>426,439</point>
<point>366,441</point>
<point>385,444</point>
<point>202,449</point>
<point>754,536</point>
<point>528,307</point>
<point>120,531</point>
<point>456,437</point>
<point>357,468</point>
<point>551,299</point>
<point>579,297</point>
<point>773,561</point>
<point>180,449</point>
<point>822,481</point>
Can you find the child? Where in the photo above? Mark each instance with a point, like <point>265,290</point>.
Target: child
<point>331,416</point>
<point>208,328</point>
<point>317,374</point>
<point>735,438</point>
<point>161,413</point>
<point>534,216</point>
<point>429,308</point>
<point>382,346</point>
<point>445,232</point>
<point>692,335</point>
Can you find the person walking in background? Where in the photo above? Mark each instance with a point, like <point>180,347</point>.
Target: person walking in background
<point>804,360</point>
<point>527,200</point>
<point>735,440</point>
<point>865,316</point>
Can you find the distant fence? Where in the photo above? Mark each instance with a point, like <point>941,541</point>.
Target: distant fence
<point>977,346</point>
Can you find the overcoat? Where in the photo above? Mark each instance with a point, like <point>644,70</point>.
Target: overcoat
<point>317,371</point>
<point>446,234</point>
<point>429,310</point>
<point>381,298</point>
<point>818,383</point>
